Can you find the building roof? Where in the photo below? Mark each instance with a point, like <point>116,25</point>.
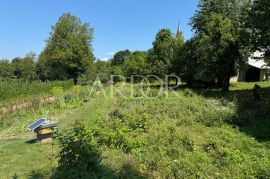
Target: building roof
<point>257,61</point>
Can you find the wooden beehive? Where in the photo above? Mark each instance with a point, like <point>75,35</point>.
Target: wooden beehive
<point>44,130</point>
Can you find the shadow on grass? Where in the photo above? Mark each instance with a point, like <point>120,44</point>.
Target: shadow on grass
<point>35,175</point>
<point>32,175</point>
<point>31,141</point>
<point>127,171</point>
<point>252,116</point>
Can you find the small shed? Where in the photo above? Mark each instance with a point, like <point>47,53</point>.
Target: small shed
<point>44,129</point>
<point>256,70</point>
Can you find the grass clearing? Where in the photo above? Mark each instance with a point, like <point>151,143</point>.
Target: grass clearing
<point>204,133</point>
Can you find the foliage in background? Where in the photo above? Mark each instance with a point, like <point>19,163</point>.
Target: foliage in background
<point>227,32</point>
<point>20,68</point>
<point>136,64</point>
<point>162,54</point>
<point>259,22</point>
<point>178,60</point>
<point>119,58</point>
<point>6,69</point>
<point>187,61</point>
<point>219,27</point>
<point>69,52</point>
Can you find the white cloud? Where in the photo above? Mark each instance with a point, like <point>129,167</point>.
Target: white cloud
<point>111,53</point>
<point>104,59</point>
<point>108,55</point>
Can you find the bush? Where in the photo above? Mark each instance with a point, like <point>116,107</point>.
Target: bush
<point>79,157</point>
<point>57,90</point>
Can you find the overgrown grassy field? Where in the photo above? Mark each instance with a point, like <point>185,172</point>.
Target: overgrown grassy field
<point>18,90</point>
<point>196,134</point>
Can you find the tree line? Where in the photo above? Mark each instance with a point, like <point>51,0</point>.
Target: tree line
<point>226,33</point>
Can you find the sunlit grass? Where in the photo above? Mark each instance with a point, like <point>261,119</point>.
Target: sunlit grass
<point>196,133</point>
<point>16,91</point>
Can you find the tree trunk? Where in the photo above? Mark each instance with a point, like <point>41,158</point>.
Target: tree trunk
<point>226,83</point>
<point>75,80</point>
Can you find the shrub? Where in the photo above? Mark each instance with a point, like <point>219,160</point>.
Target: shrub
<point>79,157</point>
<point>57,90</point>
<point>188,93</point>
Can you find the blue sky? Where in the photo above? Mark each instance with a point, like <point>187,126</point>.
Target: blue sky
<point>118,24</point>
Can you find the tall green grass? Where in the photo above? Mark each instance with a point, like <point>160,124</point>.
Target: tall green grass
<point>17,89</point>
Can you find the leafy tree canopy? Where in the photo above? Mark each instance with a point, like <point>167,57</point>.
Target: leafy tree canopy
<point>260,24</point>
<point>19,68</point>
<point>219,28</point>
<point>69,51</point>
<point>120,57</point>
<point>6,69</point>
<point>162,55</point>
<point>135,64</point>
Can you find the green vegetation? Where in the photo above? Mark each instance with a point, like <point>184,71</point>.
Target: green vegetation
<point>162,55</point>
<point>226,33</point>
<point>203,133</point>
<point>68,53</point>
<point>17,90</point>
<point>20,68</point>
<point>199,134</point>
<point>260,24</point>
<point>219,27</point>
<point>188,132</point>
<point>20,155</point>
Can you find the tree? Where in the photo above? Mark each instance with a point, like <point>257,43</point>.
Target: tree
<point>120,57</point>
<point>17,65</point>
<point>6,69</point>
<point>187,61</point>
<point>42,68</point>
<point>162,55</point>
<point>227,8</point>
<point>219,30</point>
<point>68,53</point>
<point>135,64</point>
<point>117,72</point>
<point>260,25</point>
<point>102,70</point>
<point>25,68</point>
<point>177,61</point>
<point>219,41</point>
<point>28,68</point>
